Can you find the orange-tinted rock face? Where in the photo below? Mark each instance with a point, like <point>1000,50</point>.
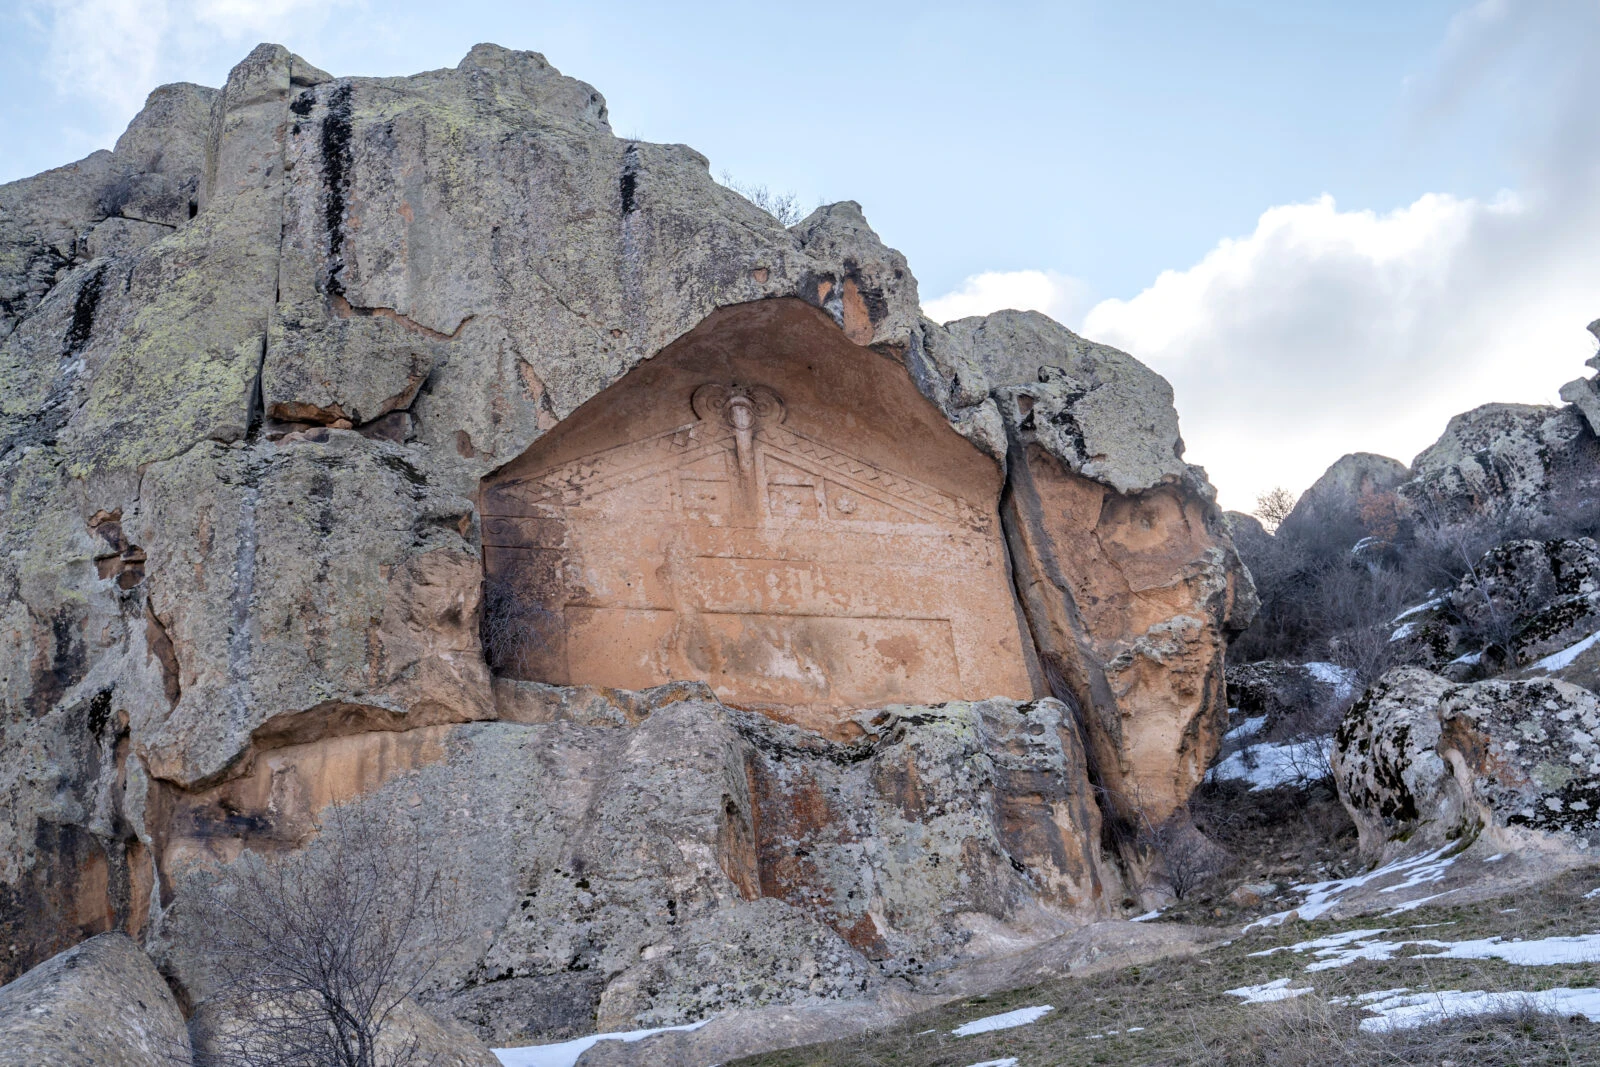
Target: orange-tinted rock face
<point>1128,596</point>
<point>770,508</point>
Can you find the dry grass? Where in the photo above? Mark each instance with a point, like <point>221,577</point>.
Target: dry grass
<point>1177,1011</point>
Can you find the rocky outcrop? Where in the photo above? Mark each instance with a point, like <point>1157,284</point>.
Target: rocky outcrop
<point>1123,562</point>
<point>623,866</point>
<point>1422,762</point>
<point>1584,393</point>
<point>1340,504</point>
<point>102,1003</point>
<point>274,414</point>
<point>1505,462</point>
<point>1520,604</point>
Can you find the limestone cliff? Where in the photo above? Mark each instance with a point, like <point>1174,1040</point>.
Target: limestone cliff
<point>315,386</point>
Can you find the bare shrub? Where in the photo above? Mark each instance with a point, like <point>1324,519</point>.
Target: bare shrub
<point>1186,858</point>
<point>317,950</point>
<point>785,207</point>
<point>514,627</point>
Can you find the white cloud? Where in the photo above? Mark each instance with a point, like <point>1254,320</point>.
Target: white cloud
<point>1057,295</point>
<point>1327,331</point>
<point>1324,331</point>
<point>113,52</point>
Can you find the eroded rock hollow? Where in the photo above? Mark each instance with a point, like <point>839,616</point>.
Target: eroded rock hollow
<point>419,446</point>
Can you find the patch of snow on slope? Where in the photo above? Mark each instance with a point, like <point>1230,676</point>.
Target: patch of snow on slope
<point>1341,950</point>
<point>1003,1021</point>
<point>1323,896</point>
<point>1249,728</point>
<point>566,1053</point>
<point>1558,660</point>
<point>1146,917</point>
<point>1343,679</point>
<point>1407,1011</point>
<point>1009,1061</point>
<point>1272,764</point>
<point>1405,630</point>
<point>1278,989</point>
<point>1416,609</point>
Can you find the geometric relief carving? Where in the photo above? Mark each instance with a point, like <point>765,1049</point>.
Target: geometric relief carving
<point>742,548</point>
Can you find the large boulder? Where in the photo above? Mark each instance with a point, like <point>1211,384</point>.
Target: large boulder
<point>312,385</point>
<point>1276,691</point>
<point>1422,762</point>
<point>1504,464</point>
<point>1520,607</point>
<point>1125,566</point>
<point>100,1003</point>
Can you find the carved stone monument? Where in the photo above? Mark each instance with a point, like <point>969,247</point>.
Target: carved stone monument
<point>768,508</point>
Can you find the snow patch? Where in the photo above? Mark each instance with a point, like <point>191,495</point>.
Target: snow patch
<point>1147,916</point>
<point>1341,950</point>
<point>1003,1021</point>
<point>1248,728</point>
<point>1322,897</point>
<point>566,1053</point>
<point>1405,630</point>
<point>1558,660</point>
<point>1343,679</point>
<point>1416,609</point>
<point>1271,764</point>
<point>1278,989</point>
<point>1009,1061</point>
<point>1407,1011</point>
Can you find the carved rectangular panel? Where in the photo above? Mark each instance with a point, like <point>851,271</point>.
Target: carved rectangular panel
<point>790,573</point>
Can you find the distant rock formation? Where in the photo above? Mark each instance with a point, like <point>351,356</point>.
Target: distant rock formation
<point>819,635</point>
<point>1333,505</point>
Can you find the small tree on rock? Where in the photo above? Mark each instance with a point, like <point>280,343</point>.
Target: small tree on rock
<point>1273,506</point>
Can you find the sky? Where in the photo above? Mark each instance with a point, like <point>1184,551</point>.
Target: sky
<point>1330,225</point>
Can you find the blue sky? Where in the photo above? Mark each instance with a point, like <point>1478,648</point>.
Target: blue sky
<point>1330,224</point>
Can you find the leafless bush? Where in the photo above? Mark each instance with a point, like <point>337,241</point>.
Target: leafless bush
<point>317,950</point>
<point>1273,506</point>
<point>1186,858</point>
<point>515,627</point>
<point>785,207</point>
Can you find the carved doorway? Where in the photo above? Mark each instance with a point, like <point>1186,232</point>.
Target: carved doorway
<point>771,509</point>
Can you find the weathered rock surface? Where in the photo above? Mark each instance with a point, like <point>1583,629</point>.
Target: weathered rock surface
<point>1421,762</point>
<point>100,1003</point>
<point>1503,460</point>
<point>1520,603</point>
<point>1334,504</point>
<point>262,371</point>
<point>620,876</point>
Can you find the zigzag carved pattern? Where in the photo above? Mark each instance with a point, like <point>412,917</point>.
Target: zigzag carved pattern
<point>568,484</point>
<point>942,504</point>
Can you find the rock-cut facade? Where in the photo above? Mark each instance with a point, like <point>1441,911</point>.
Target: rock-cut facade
<point>418,446</point>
